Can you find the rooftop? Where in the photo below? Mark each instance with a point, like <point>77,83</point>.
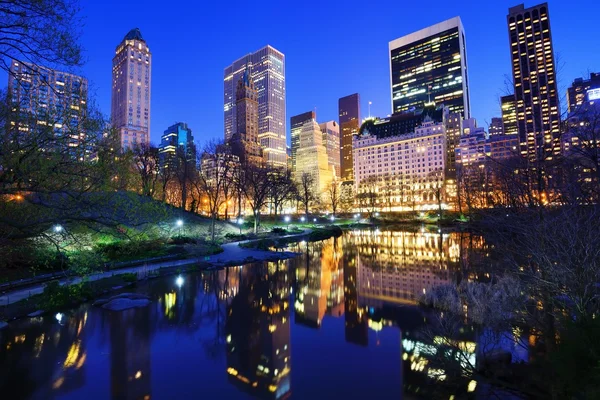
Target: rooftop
<point>134,34</point>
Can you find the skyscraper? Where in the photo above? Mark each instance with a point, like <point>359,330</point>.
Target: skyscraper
<point>312,158</point>
<point>534,77</point>
<point>349,114</point>
<point>296,124</point>
<point>177,136</point>
<point>267,69</point>
<point>44,96</point>
<point>430,65</point>
<point>244,142</point>
<point>496,127</point>
<point>331,141</point>
<point>582,90</point>
<point>131,90</point>
<point>509,115</point>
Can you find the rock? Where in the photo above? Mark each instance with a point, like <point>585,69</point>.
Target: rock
<point>3,325</point>
<point>125,304</point>
<point>122,296</point>
<point>35,313</point>
<point>100,302</point>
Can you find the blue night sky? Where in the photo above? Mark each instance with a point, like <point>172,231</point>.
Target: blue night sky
<point>332,49</point>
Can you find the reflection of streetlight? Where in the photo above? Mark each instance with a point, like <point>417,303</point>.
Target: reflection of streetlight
<point>302,219</point>
<point>179,281</point>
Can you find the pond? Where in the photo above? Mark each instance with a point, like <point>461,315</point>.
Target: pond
<point>341,320</point>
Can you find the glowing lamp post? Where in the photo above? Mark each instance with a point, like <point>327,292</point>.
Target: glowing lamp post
<point>179,281</point>
<point>287,220</point>
<point>58,228</point>
<point>240,222</point>
<point>179,224</point>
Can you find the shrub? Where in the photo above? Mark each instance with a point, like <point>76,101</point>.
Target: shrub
<point>182,240</point>
<point>279,231</point>
<point>56,296</point>
<point>129,277</point>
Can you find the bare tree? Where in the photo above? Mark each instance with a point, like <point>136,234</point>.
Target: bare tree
<point>368,195</point>
<point>186,172</point>
<point>256,189</point>
<point>44,32</point>
<point>306,191</point>
<point>216,168</point>
<point>334,195</point>
<point>145,159</point>
<point>282,188</point>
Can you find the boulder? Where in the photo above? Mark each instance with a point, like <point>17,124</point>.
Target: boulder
<point>3,325</point>
<point>36,313</point>
<point>125,304</point>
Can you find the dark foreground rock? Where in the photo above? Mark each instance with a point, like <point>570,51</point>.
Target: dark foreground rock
<point>123,301</point>
<point>3,325</point>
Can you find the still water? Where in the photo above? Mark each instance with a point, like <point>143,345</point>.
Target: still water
<point>339,321</point>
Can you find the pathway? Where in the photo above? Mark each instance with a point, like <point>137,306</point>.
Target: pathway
<point>232,254</point>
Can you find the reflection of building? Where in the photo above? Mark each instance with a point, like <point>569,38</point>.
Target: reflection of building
<point>267,66</point>
<point>430,65</point>
<point>130,364</point>
<point>349,114</point>
<point>355,321</point>
<point>296,124</point>
<point>131,90</point>
<point>312,285</point>
<point>399,267</point>
<point>534,78</point>
<point>258,331</point>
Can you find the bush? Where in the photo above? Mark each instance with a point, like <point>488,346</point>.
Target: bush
<point>129,250</point>
<point>129,277</point>
<point>325,233</point>
<point>262,244</point>
<point>182,240</point>
<point>279,231</point>
<point>234,236</point>
<point>56,296</point>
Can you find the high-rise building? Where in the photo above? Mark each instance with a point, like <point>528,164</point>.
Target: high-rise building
<point>177,137</point>
<point>496,127</point>
<point>582,90</point>
<point>349,119</point>
<point>312,158</point>
<point>244,142</point>
<point>509,115</point>
<point>430,65</point>
<point>534,77</point>
<point>44,96</point>
<point>296,124</point>
<point>331,141</point>
<point>131,90</point>
<point>267,69</point>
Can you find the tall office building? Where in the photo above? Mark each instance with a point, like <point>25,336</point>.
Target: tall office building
<point>430,65</point>
<point>267,69</point>
<point>312,158</point>
<point>296,124</point>
<point>534,77</point>
<point>176,137</point>
<point>496,127</point>
<point>509,115</point>
<point>582,90</point>
<point>349,118</point>
<point>131,90</point>
<point>331,141</point>
<point>244,142</point>
<point>44,96</point>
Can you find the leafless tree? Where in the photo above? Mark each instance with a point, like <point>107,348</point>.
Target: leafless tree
<point>282,188</point>
<point>306,191</point>
<point>256,189</point>
<point>145,159</point>
<point>44,32</point>
<point>368,195</point>
<point>185,171</point>
<point>334,195</point>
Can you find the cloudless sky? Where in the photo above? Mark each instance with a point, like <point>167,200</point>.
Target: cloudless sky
<point>332,48</point>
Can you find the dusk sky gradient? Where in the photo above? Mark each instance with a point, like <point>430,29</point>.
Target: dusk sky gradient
<point>332,49</point>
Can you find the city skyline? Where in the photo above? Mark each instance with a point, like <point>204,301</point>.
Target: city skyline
<point>200,102</point>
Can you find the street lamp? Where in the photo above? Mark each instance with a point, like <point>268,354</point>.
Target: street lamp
<point>302,219</point>
<point>287,220</point>
<point>179,224</point>
<point>58,229</point>
<point>179,281</point>
<point>314,220</point>
<point>240,222</point>
<point>332,218</point>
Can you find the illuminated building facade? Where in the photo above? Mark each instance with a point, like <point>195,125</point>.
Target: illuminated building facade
<point>583,90</point>
<point>509,115</point>
<point>244,142</point>
<point>296,124</point>
<point>331,141</point>
<point>430,65</point>
<point>312,159</point>
<point>405,169</point>
<point>534,77</point>
<point>473,147</point>
<point>503,147</point>
<point>267,70</point>
<point>46,97</point>
<point>131,90</point>
<point>496,127</point>
<point>349,119</point>
<point>175,138</point>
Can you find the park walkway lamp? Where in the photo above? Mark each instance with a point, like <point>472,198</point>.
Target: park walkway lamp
<point>179,281</point>
<point>58,228</point>
<point>179,224</point>
<point>287,221</point>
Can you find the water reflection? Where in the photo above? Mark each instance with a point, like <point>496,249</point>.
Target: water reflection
<point>230,333</point>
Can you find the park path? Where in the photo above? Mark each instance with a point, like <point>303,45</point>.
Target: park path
<point>232,254</point>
